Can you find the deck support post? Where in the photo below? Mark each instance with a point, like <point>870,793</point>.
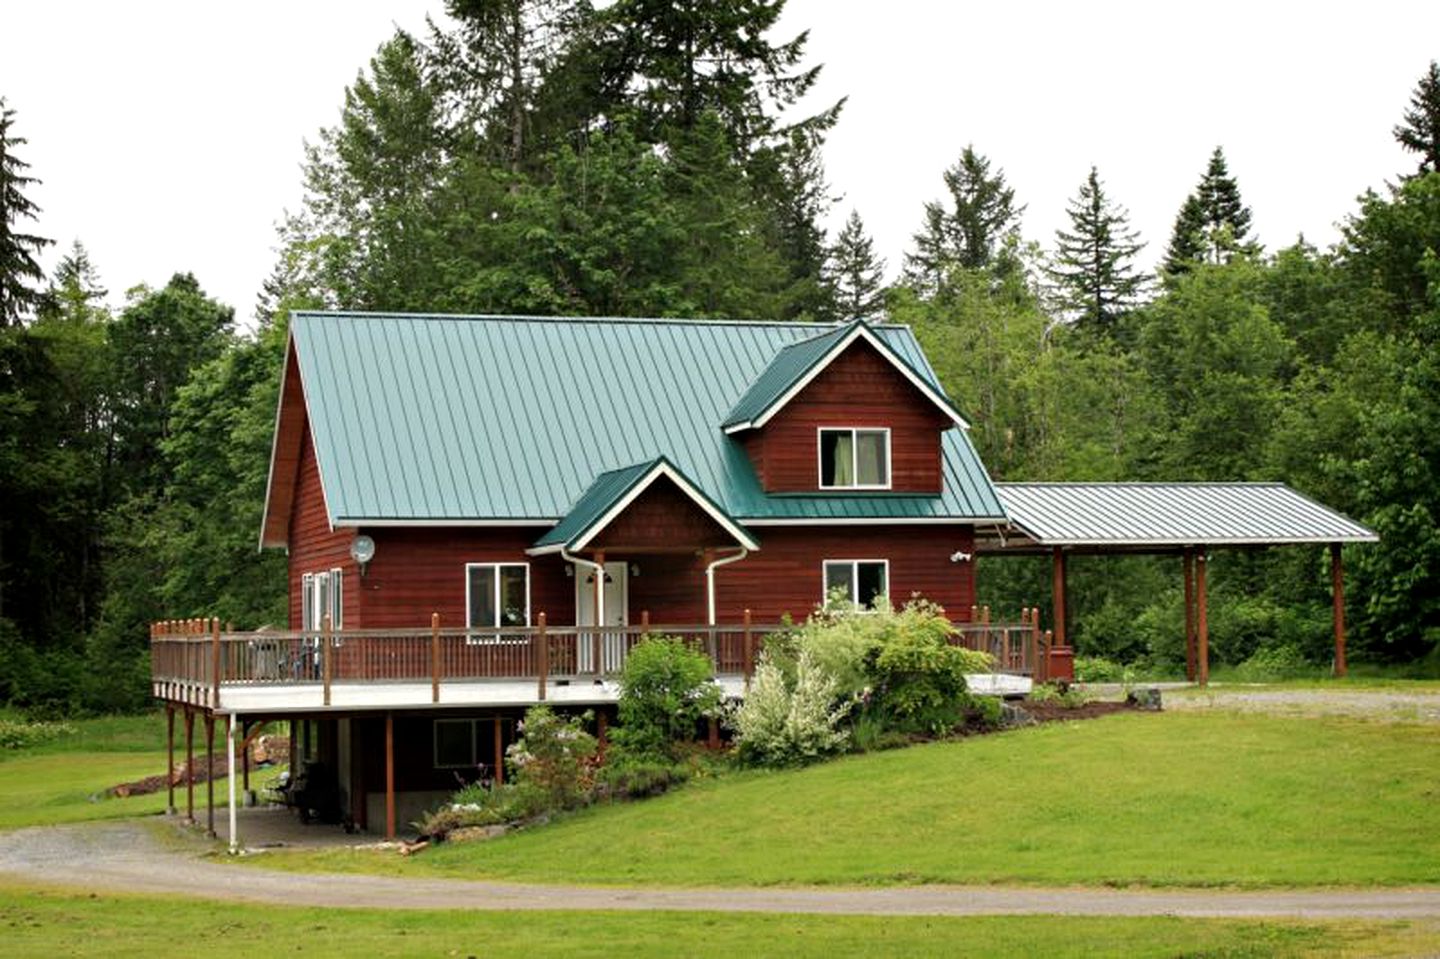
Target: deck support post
<point>244,754</point>
<point>1058,596</point>
<point>542,656</point>
<point>499,753</point>
<point>210,775</point>
<point>1337,590</point>
<point>234,825</point>
<point>595,645</point>
<point>325,655</point>
<point>434,657</point>
<point>189,765</point>
<point>602,733</point>
<point>749,645</point>
<point>170,759</point>
<point>215,663</point>
<point>1187,562</point>
<point>1202,621</point>
<point>389,775</point>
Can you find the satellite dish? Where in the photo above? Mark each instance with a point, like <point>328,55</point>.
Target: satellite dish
<point>362,549</point>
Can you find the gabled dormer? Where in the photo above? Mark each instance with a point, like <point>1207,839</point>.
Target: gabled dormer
<point>842,412</point>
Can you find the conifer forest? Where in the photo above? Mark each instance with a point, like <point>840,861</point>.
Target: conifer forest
<point>645,159</point>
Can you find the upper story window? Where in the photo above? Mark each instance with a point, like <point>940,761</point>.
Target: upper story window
<point>853,458</point>
<point>496,595</point>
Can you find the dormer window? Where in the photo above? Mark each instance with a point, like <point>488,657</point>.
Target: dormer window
<point>854,458</point>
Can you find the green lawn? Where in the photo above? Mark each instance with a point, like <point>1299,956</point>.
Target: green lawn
<point>1162,799</point>
<point>46,923</point>
<point>64,780</point>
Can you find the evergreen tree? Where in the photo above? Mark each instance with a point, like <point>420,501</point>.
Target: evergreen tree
<point>1094,262</point>
<point>1214,223</point>
<point>18,266</point>
<point>1420,131</point>
<point>972,232</point>
<point>856,275</point>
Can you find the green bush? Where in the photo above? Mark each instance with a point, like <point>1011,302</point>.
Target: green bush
<point>1275,663</point>
<point>637,775</point>
<point>919,682</point>
<point>666,688</point>
<point>1097,669</point>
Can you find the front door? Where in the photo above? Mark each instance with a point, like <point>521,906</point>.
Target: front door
<point>616,614</point>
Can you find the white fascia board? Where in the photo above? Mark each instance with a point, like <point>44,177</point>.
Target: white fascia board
<point>877,521</point>
<point>644,483</point>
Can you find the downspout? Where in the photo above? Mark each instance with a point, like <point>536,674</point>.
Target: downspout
<point>599,585</point>
<point>710,580</point>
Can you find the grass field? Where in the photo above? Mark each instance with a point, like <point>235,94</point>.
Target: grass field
<point>64,780</point>
<point>48,923</point>
<point>1168,799</point>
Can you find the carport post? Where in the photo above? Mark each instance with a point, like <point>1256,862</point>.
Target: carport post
<point>1201,618</point>
<point>210,775</point>
<point>390,776</point>
<point>1337,589</point>
<point>230,752</point>
<point>170,758</point>
<point>1058,597</point>
<point>189,765</point>
<point>1187,560</point>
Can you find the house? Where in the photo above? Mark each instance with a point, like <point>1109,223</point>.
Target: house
<point>464,499</point>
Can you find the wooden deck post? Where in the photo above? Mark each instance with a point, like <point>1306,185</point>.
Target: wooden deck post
<point>1058,596</point>
<point>1032,645</point>
<point>389,775</point>
<point>542,656</point>
<point>215,663</point>
<point>644,622</point>
<point>434,657</point>
<point>599,610</point>
<point>749,645</point>
<point>1337,591</point>
<point>210,775</point>
<point>1187,563</point>
<point>189,765</point>
<point>170,758</point>
<point>499,753</point>
<point>1202,624</point>
<point>325,655</point>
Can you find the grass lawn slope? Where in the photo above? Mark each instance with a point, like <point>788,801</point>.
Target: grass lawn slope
<point>1168,799</point>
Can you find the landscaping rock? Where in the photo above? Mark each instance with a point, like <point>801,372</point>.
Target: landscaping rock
<point>1147,698</point>
<point>1012,716</point>
<point>476,833</point>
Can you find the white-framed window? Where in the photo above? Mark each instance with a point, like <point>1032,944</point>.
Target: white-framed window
<point>854,457</point>
<point>496,595</point>
<point>322,594</point>
<point>861,581</point>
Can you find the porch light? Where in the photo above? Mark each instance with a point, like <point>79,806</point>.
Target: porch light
<point>634,569</point>
<point>362,551</point>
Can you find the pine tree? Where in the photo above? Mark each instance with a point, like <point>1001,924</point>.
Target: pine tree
<point>972,232</point>
<point>1214,223</point>
<point>1420,131</point>
<point>18,266</point>
<point>855,274</point>
<point>1094,263</point>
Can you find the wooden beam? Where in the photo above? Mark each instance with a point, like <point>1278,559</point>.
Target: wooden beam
<point>390,776</point>
<point>1337,590</point>
<point>244,759</point>
<point>1187,560</point>
<point>210,775</point>
<point>1058,596</point>
<point>170,758</point>
<point>189,765</point>
<point>1202,622</point>
<point>499,752</point>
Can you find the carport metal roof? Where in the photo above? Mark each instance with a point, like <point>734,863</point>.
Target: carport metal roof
<point>1162,517</point>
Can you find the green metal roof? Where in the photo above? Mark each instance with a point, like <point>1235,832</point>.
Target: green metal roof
<point>448,419</point>
<point>597,505</point>
<point>793,365</point>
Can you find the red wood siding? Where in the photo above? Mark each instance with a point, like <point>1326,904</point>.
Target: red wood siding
<point>859,388</point>
<point>314,547</point>
<point>662,516</point>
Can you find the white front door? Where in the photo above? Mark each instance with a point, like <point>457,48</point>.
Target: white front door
<point>616,614</point>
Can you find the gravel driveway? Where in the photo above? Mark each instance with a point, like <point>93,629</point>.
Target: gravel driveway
<point>1381,705</point>
<point>128,856</point>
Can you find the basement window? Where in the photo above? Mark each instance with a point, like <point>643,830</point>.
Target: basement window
<point>858,581</point>
<point>854,458</point>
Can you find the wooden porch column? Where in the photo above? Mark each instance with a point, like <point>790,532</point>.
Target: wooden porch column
<point>389,775</point>
<point>210,775</point>
<point>434,657</point>
<point>595,645</point>
<point>189,766</point>
<point>1202,622</point>
<point>170,758</point>
<point>499,753</point>
<point>1058,597</point>
<point>1187,560</point>
<point>1337,590</point>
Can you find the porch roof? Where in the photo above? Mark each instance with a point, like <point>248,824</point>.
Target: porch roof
<point>1165,515</point>
<point>613,491</point>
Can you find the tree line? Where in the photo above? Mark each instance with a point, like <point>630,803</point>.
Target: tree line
<point>540,156</point>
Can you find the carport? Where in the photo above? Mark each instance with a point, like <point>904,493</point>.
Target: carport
<point>1189,520</point>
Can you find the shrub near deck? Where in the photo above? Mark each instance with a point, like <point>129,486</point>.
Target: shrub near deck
<point>1152,799</point>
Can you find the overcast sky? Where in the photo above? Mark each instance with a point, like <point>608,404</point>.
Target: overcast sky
<point>168,134</point>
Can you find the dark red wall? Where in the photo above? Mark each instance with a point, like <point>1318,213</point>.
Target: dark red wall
<point>313,546</point>
<point>662,516</point>
<point>859,388</point>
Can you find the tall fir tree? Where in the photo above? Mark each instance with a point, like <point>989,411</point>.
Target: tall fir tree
<point>1094,267</point>
<point>1213,224</point>
<point>855,274</point>
<point>19,270</point>
<point>1420,130</point>
<point>971,232</point>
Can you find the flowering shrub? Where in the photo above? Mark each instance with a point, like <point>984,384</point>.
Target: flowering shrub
<point>551,762</point>
<point>781,724</point>
<point>17,734</point>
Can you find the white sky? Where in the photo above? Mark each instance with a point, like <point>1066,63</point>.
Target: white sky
<point>168,134</point>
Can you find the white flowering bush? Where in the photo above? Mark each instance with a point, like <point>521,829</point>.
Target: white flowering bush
<point>785,724</point>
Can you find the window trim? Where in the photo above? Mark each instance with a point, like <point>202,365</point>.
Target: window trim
<point>854,432</point>
<point>854,565</point>
<point>495,637</point>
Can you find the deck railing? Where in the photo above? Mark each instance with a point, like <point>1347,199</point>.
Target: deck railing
<point>191,660</point>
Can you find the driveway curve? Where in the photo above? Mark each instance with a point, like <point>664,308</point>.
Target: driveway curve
<point>127,856</point>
